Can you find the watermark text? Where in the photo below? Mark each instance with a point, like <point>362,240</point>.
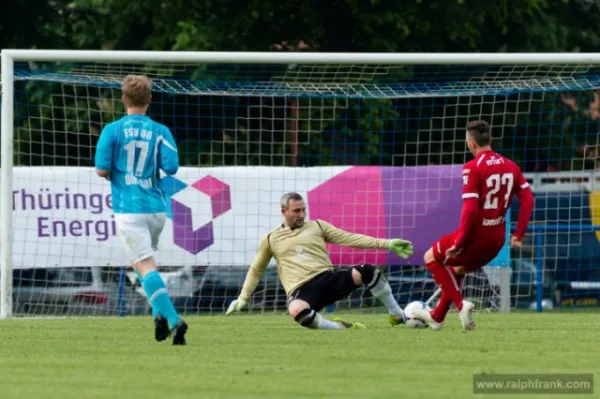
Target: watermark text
<point>533,383</point>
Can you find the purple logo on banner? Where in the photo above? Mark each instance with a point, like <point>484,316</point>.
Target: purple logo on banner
<point>193,208</point>
<point>420,204</point>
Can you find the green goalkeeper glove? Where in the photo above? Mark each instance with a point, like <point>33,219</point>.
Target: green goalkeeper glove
<point>402,247</point>
<point>236,306</point>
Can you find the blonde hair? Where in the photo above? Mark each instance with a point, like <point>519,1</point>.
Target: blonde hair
<point>137,90</point>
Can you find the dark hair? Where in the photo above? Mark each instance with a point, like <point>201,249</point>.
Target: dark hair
<point>480,132</point>
<point>285,200</point>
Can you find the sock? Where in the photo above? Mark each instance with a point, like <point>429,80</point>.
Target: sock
<point>381,290</point>
<point>444,278</point>
<point>310,319</point>
<point>157,294</point>
<point>141,279</point>
<point>443,307</point>
<point>322,323</point>
<point>441,310</point>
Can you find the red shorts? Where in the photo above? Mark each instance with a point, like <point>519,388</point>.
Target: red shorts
<point>475,254</point>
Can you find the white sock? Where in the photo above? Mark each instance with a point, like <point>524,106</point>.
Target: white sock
<point>382,291</point>
<point>325,324</point>
<point>318,322</point>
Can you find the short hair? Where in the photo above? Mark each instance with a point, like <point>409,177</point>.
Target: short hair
<point>479,131</point>
<point>287,197</point>
<point>137,90</point>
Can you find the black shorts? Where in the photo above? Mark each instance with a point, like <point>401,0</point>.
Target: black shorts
<point>325,288</point>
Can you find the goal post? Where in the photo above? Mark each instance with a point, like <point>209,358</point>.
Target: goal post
<point>6,168</point>
<point>374,142</point>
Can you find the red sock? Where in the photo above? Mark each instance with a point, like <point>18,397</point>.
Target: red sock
<point>441,310</point>
<point>444,278</point>
<point>439,313</point>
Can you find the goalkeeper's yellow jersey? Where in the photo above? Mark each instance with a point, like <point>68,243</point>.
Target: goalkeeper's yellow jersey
<point>301,253</point>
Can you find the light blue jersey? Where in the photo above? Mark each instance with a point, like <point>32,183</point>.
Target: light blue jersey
<point>134,149</point>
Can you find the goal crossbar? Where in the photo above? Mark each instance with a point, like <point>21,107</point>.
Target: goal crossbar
<point>304,57</point>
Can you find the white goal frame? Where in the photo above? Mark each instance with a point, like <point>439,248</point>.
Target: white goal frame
<point>10,56</point>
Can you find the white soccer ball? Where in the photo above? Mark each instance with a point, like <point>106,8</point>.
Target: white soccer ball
<point>409,311</point>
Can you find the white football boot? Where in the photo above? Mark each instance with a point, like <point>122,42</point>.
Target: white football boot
<point>466,315</point>
<point>425,316</point>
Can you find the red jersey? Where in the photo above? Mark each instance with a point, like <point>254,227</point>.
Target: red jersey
<point>490,182</point>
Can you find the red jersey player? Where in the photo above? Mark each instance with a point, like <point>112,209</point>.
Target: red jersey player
<point>489,183</point>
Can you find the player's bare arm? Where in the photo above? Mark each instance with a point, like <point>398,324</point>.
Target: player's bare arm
<point>515,242</point>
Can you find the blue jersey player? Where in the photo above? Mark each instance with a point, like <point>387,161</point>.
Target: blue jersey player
<point>130,153</point>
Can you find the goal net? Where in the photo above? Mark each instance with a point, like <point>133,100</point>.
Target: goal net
<point>375,148</point>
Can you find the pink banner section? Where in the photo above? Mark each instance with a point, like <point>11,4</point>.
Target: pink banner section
<point>420,204</point>
<point>353,201</point>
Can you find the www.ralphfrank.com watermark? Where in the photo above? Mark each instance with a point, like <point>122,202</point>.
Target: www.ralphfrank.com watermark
<point>533,383</point>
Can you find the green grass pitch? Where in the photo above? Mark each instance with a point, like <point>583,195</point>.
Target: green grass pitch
<point>248,356</point>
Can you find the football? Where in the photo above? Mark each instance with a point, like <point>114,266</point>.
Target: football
<point>409,311</point>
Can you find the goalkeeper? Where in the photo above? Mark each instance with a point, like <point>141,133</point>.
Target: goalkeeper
<point>308,277</point>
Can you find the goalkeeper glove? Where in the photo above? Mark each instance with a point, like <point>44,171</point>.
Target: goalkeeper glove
<point>236,306</point>
<point>402,247</point>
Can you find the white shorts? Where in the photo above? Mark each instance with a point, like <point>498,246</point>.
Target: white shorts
<point>140,233</point>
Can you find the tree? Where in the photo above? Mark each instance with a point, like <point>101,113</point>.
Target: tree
<point>262,25</point>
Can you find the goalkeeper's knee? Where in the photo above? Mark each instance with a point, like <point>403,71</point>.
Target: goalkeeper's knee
<point>306,317</point>
<point>373,280</point>
<point>369,274</point>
